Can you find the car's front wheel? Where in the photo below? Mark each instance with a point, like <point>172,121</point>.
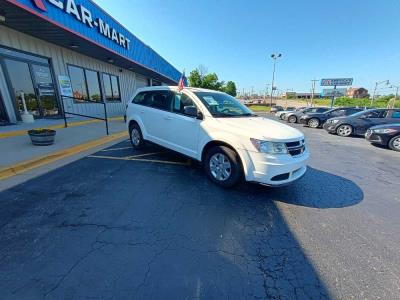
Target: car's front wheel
<point>344,130</point>
<point>394,143</point>
<point>313,123</point>
<point>223,166</point>
<point>292,119</point>
<point>282,116</point>
<point>136,136</point>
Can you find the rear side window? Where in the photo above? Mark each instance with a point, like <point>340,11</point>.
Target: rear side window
<point>156,99</point>
<point>139,98</point>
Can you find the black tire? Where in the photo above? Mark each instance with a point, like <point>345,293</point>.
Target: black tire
<point>235,166</point>
<point>344,130</point>
<point>394,143</point>
<point>136,137</point>
<point>313,123</point>
<point>282,116</point>
<point>292,119</point>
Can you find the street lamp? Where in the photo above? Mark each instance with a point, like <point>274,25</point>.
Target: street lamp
<point>395,97</point>
<point>376,86</point>
<point>274,57</point>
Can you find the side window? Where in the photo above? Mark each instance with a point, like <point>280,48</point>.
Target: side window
<point>180,102</point>
<point>396,114</point>
<point>140,98</point>
<point>159,100</point>
<point>373,114</point>
<point>384,114</point>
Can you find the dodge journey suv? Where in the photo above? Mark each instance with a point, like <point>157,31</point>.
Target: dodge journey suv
<point>214,128</point>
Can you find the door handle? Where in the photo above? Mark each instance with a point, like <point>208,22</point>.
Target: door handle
<point>142,111</point>
<point>167,118</point>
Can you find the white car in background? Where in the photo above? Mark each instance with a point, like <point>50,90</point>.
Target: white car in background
<point>216,129</point>
<point>281,114</point>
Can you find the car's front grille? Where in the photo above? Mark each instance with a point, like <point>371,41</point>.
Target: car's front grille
<point>296,148</point>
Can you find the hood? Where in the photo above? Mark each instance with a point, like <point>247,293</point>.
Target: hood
<point>261,128</point>
<point>395,126</point>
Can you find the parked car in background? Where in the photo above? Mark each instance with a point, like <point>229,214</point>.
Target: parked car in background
<point>217,130</point>
<point>276,108</point>
<point>294,117</point>
<point>315,120</point>
<point>281,114</point>
<point>359,123</point>
<point>385,135</point>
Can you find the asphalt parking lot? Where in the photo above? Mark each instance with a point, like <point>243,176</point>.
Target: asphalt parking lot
<point>125,224</point>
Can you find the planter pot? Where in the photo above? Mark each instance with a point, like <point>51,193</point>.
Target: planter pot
<point>43,137</point>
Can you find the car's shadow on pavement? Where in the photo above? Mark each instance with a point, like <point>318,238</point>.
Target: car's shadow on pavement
<point>111,228</point>
<point>317,189</point>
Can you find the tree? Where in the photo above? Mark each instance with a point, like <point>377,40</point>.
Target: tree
<point>199,78</point>
<point>230,88</point>
<point>195,79</point>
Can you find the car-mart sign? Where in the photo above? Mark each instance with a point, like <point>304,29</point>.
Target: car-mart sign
<point>337,82</point>
<point>84,15</point>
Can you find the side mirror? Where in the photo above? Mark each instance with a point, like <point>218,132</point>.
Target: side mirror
<point>191,111</point>
<point>200,116</point>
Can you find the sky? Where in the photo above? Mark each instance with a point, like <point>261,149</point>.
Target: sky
<point>234,39</point>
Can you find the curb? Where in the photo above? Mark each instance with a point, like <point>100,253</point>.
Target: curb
<point>34,163</point>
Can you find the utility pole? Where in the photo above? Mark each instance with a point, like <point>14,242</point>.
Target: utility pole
<point>313,82</point>
<point>376,86</point>
<point>274,57</point>
<point>393,102</point>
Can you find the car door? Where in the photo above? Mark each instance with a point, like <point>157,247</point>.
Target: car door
<point>369,119</point>
<point>183,129</point>
<point>154,115</point>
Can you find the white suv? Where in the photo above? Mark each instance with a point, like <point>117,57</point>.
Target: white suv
<point>216,129</point>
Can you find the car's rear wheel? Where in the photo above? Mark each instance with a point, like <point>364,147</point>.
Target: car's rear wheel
<point>313,123</point>
<point>394,143</point>
<point>344,130</point>
<point>136,136</point>
<point>223,166</point>
<point>292,119</point>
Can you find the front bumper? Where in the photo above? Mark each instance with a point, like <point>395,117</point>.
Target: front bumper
<point>303,121</point>
<point>274,170</point>
<point>376,138</point>
<point>330,127</point>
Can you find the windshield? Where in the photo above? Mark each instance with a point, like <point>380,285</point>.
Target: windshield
<point>360,113</point>
<point>223,105</point>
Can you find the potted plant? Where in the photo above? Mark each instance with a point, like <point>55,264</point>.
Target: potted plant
<point>42,136</point>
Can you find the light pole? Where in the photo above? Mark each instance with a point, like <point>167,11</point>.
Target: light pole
<point>395,97</point>
<point>376,86</point>
<point>274,57</point>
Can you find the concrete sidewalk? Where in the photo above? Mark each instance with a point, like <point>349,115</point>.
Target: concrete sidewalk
<point>17,152</point>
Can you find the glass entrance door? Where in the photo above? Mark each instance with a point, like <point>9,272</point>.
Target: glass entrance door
<point>36,83</point>
<point>21,82</point>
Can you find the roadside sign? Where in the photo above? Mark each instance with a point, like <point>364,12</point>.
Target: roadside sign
<point>337,82</point>
<point>334,92</point>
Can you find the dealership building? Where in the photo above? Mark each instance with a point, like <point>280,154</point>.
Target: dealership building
<point>72,54</point>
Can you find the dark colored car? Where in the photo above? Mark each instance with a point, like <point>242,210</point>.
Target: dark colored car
<point>276,108</point>
<point>295,116</point>
<point>359,123</point>
<point>385,135</point>
<point>315,120</point>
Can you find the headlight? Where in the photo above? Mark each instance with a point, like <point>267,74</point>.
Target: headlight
<point>387,130</point>
<point>269,147</point>
<point>334,121</point>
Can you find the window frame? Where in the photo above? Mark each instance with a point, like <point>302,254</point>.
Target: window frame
<point>112,88</point>
<point>87,101</point>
